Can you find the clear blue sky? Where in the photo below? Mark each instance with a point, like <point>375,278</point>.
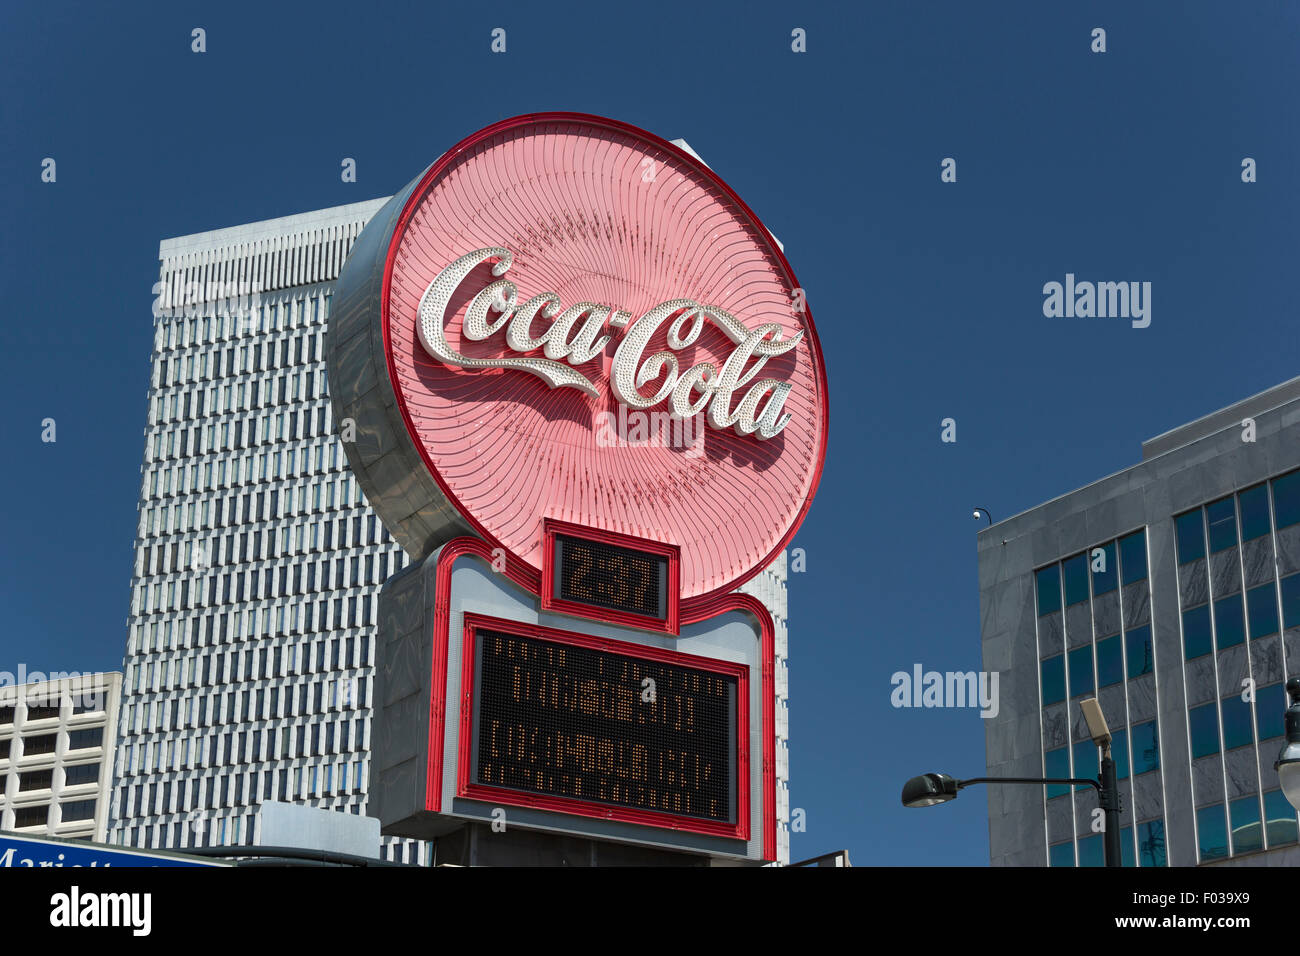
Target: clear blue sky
<point>927,296</point>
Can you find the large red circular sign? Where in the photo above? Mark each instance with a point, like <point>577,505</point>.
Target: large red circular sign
<point>594,223</point>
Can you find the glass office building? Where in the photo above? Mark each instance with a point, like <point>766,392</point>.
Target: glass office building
<point>254,596</point>
<point>1171,593</point>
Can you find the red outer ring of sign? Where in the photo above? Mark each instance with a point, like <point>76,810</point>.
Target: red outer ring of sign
<point>700,601</point>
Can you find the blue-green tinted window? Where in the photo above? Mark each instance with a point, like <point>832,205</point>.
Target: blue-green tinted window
<point>1246,833</point>
<point>1104,572</point>
<point>1092,852</point>
<point>1261,603</point>
<point>1133,556</point>
<point>1191,536</point>
<point>1270,711</point>
<point>1221,516</point>
<point>1291,601</point>
<point>1151,843</point>
<point>1056,763</point>
<point>1110,661</point>
<point>1053,670</point>
<point>1061,854</point>
<point>1138,651</point>
<point>1197,639</point>
<point>1127,854</point>
<point>1146,748</point>
<point>1254,512</point>
<point>1280,815</point>
<point>1076,579</point>
<point>1229,624</point>
<point>1049,589</point>
<point>1286,499</point>
<point>1236,722</point>
<point>1119,751</point>
<point>1087,762</point>
<point>1212,832</point>
<point>1204,724</point>
<point>1081,670</point>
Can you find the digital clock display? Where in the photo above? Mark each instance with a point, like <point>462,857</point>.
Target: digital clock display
<point>609,576</point>
<point>579,723</point>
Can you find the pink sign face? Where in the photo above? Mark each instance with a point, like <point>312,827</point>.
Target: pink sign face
<point>582,322</point>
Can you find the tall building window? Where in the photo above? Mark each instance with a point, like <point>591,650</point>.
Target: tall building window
<point>1286,499</point>
<point>1280,818</point>
<point>1146,747</point>
<point>1151,844</point>
<point>1197,636</point>
<point>1204,727</point>
<point>1191,536</point>
<point>1075,574</point>
<point>1211,833</point>
<point>1053,679</point>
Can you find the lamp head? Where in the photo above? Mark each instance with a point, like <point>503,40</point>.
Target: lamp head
<point>1096,720</point>
<point>929,789</point>
<point>1288,761</point>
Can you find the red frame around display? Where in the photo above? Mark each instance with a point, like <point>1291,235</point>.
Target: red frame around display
<point>470,790</point>
<point>529,579</point>
<point>669,624</point>
<point>694,606</point>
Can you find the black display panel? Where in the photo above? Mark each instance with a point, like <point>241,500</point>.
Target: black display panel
<point>608,576</point>
<point>575,722</point>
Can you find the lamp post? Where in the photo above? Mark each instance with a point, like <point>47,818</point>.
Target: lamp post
<point>1288,761</point>
<point>932,788</point>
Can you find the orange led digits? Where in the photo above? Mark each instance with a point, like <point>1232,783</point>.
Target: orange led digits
<point>605,575</point>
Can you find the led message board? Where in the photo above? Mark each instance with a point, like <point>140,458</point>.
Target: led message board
<point>577,721</point>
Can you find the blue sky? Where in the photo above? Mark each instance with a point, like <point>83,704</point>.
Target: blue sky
<point>1122,166</point>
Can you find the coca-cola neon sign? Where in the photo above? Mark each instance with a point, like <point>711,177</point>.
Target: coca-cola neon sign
<point>547,280</point>
<point>631,368</point>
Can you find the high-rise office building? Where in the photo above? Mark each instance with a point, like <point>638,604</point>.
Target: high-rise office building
<point>56,752</point>
<point>1170,591</point>
<point>257,563</point>
<point>250,651</point>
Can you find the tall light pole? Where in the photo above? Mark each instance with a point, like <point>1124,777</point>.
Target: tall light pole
<point>1108,792</point>
<point>933,788</point>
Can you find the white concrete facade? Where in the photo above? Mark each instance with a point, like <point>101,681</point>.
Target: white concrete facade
<point>56,750</point>
<point>257,562</point>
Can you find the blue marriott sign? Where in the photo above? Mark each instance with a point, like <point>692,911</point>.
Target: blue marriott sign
<point>33,852</point>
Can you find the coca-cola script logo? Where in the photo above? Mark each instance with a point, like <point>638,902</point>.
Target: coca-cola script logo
<point>687,393</point>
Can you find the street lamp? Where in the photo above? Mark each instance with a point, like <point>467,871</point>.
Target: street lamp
<point>1288,761</point>
<point>933,788</point>
<point>1108,792</point>
<point>982,513</point>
